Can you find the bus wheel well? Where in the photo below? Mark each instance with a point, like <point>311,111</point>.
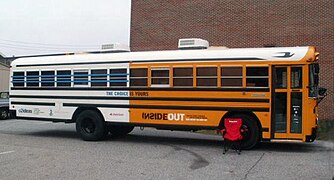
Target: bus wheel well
<point>247,113</point>
<point>81,109</point>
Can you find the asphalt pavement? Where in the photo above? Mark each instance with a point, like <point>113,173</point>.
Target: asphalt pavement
<point>45,150</point>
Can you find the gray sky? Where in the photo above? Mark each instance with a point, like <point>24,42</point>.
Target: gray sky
<point>54,26</point>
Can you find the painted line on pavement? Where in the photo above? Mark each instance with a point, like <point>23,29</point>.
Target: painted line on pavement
<point>7,152</point>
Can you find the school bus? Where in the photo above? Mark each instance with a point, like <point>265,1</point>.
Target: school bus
<point>273,90</point>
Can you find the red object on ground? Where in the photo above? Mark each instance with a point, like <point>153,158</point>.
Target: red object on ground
<point>232,129</point>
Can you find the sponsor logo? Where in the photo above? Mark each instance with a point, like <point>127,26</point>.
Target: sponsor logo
<point>164,116</point>
<point>127,94</point>
<point>22,110</point>
<point>173,117</point>
<point>231,121</point>
<point>116,114</point>
<point>117,93</point>
<point>139,93</point>
<point>36,111</point>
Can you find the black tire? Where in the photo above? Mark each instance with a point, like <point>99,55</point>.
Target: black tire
<point>90,126</point>
<point>4,113</point>
<point>119,130</point>
<point>252,136</point>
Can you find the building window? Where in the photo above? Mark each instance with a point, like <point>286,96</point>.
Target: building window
<point>18,79</point>
<point>63,78</point>
<point>206,76</point>
<point>183,77</point>
<point>138,77</point>
<point>32,78</point>
<point>118,78</point>
<point>47,78</point>
<point>80,78</point>
<point>257,76</point>
<point>160,77</point>
<point>99,77</point>
<point>231,76</point>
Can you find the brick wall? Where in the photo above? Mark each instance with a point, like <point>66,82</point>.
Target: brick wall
<point>157,25</point>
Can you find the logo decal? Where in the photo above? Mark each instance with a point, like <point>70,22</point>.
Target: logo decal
<point>284,54</point>
<point>22,110</point>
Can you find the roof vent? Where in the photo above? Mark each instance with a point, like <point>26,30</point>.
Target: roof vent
<point>193,43</point>
<point>106,48</point>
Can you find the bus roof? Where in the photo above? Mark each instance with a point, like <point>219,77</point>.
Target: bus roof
<point>215,54</point>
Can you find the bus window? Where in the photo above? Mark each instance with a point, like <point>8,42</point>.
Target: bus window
<point>257,76</point>
<point>231,76</point>
<point>99,77</point>
<point>32,78</point>
<point>18,79</point>
<point>280,112</point>
<point>160,77</point>
<point>80,78</point>
<point>296,77</point>
<point>47,78</point>
<point>183,77</point>
<point>281,78</point>
<point>206,76</point>
<point>138,77</point>
<point>63,78</point>
<point>118,78</point>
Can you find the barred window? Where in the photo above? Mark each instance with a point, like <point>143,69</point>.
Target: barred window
<point>63,78</point>
<point>80,78</point>
<point>47,78</point>
<point>118,78</point>
<point>99,77</point>
<point>32,78</point>
<point>18,79</point>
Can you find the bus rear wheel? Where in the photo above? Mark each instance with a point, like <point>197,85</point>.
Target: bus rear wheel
<point>119,130</point>
<point>251,137</point>
<point>90,126</point>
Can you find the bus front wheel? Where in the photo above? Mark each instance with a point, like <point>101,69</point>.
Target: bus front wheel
<point>251,137</point>
<point>90,126</point>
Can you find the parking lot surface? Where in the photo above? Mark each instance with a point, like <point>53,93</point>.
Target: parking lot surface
<point>45,150</point>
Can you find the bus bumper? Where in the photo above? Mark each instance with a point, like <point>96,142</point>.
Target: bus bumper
<point>12,114</point>
<point>313,136</point>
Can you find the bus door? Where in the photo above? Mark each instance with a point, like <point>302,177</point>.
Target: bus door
<point>287,95</point>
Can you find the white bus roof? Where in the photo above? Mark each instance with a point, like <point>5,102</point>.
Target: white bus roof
<point>215,54</point>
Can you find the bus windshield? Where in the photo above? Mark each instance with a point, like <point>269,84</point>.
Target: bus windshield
<point>313,80</point>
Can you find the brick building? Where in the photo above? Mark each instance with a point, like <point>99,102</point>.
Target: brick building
<point>157,25</point>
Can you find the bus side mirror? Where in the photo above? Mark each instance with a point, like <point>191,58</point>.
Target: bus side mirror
<point>316,68</point>
<point>316,79</point>
<point>322,91</point>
